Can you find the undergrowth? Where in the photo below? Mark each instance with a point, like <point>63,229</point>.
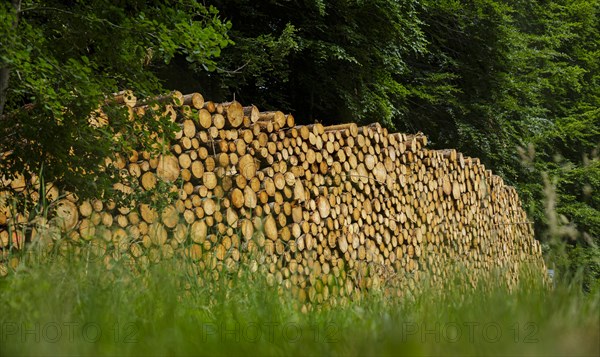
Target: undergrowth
<point>58,305</point>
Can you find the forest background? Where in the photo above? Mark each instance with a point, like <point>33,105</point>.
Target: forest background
<point>514,83</point>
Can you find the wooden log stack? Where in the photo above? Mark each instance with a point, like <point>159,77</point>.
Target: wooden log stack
<point>326,211</point>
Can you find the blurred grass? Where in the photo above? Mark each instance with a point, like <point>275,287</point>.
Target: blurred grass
<point>57,305</point>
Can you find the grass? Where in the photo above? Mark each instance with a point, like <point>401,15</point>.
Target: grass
<point>57,305</point>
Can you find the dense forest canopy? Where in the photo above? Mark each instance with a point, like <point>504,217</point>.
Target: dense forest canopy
<point>515,83</point>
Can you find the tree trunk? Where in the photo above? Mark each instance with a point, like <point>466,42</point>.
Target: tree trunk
<point>5,71</point>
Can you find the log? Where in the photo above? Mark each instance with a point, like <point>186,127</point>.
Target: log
<point>167,168</point>
<point>194,100</point>
<point>247,166</point>
<point>252,113</point>
<point>67,215</point>
<point>235,114</point>
<point>275,117</point>
<point>125,97</point>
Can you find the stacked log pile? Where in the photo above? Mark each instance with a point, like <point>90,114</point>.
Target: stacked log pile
<point>326,211</point>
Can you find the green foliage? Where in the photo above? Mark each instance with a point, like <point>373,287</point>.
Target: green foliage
<point>64,60</point>
<point>577,186</point>
<point>162,309</point>
<point>326,60</point>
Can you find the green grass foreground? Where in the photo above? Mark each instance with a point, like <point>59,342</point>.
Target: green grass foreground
<point>62,306</point>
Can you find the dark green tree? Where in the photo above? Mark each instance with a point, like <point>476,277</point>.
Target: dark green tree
<point>327,60</point>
